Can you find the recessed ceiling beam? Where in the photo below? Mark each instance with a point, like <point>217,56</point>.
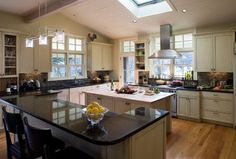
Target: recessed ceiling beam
<point>51,8</point>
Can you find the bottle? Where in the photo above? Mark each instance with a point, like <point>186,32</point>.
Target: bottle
<point>112,85</point>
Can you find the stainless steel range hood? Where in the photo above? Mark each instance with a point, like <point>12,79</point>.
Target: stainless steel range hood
<point>165,52</point>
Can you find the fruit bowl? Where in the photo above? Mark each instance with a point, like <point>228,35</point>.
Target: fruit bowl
<point>94,113</point>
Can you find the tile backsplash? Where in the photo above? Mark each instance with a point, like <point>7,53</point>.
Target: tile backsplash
<point>205,78</point>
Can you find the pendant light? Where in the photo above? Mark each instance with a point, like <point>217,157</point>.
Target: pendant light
<point>60,36</point>
<point>29,42</point>
<point>43,32</point>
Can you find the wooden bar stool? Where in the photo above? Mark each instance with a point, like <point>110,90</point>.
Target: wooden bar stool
<point>40,142</point>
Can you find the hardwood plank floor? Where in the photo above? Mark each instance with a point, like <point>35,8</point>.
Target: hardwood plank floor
<point>192,140</point>
<point>189,140</point>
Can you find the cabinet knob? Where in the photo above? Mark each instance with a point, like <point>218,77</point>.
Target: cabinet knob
<point>98,98</point>
<point>127,103</point>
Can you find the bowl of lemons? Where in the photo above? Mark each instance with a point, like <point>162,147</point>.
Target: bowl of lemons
<point>94,112</point>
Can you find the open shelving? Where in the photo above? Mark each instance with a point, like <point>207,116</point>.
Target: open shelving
<point>140,55</point>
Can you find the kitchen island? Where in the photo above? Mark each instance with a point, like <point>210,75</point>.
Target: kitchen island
<point>118,135</point>
<point>120,103</point>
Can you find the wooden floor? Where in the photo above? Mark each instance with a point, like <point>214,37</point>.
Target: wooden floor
<point>189,140</point>
<point>192,140</point>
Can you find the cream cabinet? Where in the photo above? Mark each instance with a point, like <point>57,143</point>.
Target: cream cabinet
<point>42,57</point>
<point>213,52</point>
<point>26,62</point>
<point>36,58</point>
<point>217,107</point>
<point>99,56</point>
<point>122,105</point>
<point>102,100</point>
<point>188,104</point>
<point>77,96</point>
<point>1,56</point>
<point>64,94</point>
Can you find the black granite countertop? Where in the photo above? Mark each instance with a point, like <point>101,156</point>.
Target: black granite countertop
<point>113,129</point>
<point>30,93</point>
<point>207,90</point>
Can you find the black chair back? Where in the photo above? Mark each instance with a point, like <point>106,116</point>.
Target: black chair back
<point>13,124</point>
<point>36,139</point>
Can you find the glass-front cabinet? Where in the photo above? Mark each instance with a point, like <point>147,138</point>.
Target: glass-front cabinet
<point>9,44</point>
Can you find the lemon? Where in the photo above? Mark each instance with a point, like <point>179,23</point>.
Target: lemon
<point>94,111</point>
<point>101,109</point>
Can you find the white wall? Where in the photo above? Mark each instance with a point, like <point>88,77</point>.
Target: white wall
<point>54,21</point>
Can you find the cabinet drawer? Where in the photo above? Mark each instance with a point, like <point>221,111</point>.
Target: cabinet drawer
<point>188,93</point>
<point>226,96</point>
<point>220,117</point>
<point>217,105</point>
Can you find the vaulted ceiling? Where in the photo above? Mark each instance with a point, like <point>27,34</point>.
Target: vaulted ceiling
<point>112,19</point>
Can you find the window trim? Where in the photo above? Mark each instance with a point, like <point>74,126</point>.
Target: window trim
<point>67,52</point>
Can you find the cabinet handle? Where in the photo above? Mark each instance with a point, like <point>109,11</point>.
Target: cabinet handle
<point>215,113</point>
<point>215,95</point>
<point>98,98</point>
<point>216,101</point>
<point>127,103</point>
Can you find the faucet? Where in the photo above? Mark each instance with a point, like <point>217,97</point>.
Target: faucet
<point>75,81</point>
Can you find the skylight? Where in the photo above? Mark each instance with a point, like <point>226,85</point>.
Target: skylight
<point>143,8</point>
<point>146,2</point>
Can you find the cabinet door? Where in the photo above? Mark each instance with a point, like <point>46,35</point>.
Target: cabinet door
<point>182,106</point>
<point>108,103</point>
<point>107,58</point>
<point>1,55</point>
<point>42,57</point>
<point>96,57</point>
<point>75,98</point>
<point>121,106</point>
<point>204,53</point>
<point>193,108</point>
<point>26,57</point>
<point>223,53</point>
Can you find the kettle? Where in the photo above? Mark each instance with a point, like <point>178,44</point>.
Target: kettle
<point>37,84</point>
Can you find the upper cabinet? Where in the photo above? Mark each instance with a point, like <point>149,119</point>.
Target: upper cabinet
<point>26,62</point>
<point>213,52</point>
<point>36,58</point>
<point>42,57</point>
<point>9,55</point>
<point>99,56</point>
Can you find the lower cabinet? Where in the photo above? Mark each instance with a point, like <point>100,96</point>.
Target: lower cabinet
<point>104,101</point>
<point>122,106</point>
<point>64,95</point>
<point>188,104</point>
<point>217,107</point>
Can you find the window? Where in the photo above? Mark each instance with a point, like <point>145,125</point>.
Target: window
<point>128,61</point>
<point>128,46</point>
<point>162,67</point>
<point>128,68</point>
<point>165,68</point>
<point>58,65</point>
<point>75,44</point>
<point>58,45</point>
<point>68,58</point>
<point>183,64</point>
<point>183,41</point>
<point>145,2</point>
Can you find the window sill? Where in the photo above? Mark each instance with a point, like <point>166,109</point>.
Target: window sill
<point>61,79</point>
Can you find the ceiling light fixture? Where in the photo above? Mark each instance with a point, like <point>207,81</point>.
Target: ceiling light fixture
<point>44,32</point>
<point>134,21</point>
<point>60,36</point>
<point>184,11</point>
